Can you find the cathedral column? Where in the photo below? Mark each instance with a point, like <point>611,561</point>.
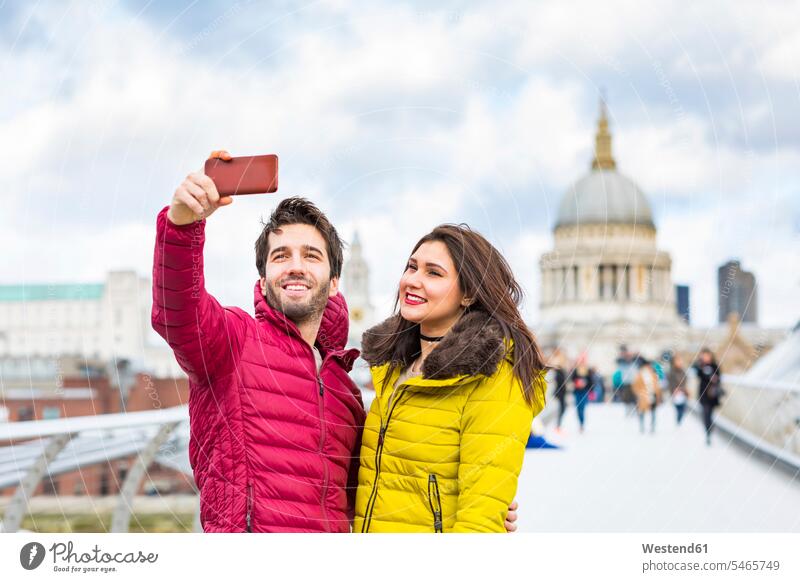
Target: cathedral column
<point>637,282</point>
<point>615,277</point>
<point>625,285</point>
<point>570,284</point>
<point>655,284</point>
<point>599,282</point>
<point>575,273</point>
<point>588,287</point>
<point>608,287</point>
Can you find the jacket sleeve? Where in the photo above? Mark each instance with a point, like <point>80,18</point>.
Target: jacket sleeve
<point>205,337</point>
<point>495,427</point>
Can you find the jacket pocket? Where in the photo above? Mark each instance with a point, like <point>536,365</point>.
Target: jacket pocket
<point>435,502</point>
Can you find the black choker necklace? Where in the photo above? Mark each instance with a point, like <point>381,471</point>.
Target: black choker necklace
<point>428,338</point>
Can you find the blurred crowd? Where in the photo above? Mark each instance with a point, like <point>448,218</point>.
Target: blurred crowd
<point>640,384</point>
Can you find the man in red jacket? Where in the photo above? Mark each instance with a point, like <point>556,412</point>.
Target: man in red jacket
<point>275,419</point>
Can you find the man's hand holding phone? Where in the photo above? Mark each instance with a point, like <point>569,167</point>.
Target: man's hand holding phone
<point>197,197</point>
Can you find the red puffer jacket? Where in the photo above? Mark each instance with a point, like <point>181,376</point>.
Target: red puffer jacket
<point>274,444</point>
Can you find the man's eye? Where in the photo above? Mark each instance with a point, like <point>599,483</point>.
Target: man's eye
<point>277,257</point>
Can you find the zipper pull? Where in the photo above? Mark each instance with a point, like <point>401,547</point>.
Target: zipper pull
<point>321,386</point>
<point>381,434</point>
<point>436,503</point>
<point>249,507</point>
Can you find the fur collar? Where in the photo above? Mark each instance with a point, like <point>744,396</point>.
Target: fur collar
<point>473,346</point>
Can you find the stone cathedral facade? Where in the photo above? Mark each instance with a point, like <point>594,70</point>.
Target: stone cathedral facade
<point>605,282</point>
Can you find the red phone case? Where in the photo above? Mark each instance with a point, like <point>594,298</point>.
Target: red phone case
<point>244,175</point>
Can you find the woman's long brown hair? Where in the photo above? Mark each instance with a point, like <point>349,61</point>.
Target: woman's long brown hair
<point>485,277</point>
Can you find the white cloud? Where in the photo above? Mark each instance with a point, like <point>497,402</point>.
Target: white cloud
<point>681,157</point>
<point>535,135</point>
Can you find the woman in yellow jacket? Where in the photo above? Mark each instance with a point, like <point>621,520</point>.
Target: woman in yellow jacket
<point>458,379</point>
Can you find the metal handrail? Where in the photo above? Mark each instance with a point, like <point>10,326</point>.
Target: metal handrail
<point>747,382</point>
<point>13,431</point>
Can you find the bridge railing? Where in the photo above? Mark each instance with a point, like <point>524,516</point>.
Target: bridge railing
<point>764,415</point>
<point>35,449</point>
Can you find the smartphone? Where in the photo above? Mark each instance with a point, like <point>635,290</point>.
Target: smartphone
<point>244,175</point>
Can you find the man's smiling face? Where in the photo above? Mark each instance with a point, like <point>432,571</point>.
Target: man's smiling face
<point>298,273</point>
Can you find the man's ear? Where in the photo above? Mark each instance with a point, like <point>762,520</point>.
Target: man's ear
<point>334,288</point>
<point>263,281</point>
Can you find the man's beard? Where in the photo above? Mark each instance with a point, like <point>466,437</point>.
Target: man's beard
<point>299,312</point>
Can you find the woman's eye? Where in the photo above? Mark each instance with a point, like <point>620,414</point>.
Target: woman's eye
<point>410,266</point>
<point>435,273</point>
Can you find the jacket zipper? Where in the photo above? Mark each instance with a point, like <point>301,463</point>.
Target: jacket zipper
<point>378,453</point>
<point>435,502</point>
<point>248,517</point>
<point>321,447</point>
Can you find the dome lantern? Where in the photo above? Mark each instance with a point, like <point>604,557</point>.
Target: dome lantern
<point>603,160</point>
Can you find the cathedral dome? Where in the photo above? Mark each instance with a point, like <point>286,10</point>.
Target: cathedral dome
<point>604,196</point>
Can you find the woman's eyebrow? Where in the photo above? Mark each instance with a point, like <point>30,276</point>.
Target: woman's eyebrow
<point>428,263</point>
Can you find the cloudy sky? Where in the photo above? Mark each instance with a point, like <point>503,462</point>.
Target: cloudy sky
<point>395,117</point>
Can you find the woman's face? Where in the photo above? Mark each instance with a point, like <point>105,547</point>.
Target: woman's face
<point>705,357</point>
<point>429,290</point>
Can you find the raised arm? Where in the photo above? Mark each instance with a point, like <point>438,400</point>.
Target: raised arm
<point>205,337</point>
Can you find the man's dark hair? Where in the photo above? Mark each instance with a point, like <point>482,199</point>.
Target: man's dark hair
<point>297,210</point>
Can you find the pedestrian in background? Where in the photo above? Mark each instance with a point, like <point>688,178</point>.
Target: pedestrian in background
<point>623,379</point>
<point>677,387</point>
<point>581,386</point>
<point>709,388</point>
<point>647,390</point>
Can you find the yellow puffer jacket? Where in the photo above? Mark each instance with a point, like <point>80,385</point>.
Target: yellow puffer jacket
<point>443,451</point>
